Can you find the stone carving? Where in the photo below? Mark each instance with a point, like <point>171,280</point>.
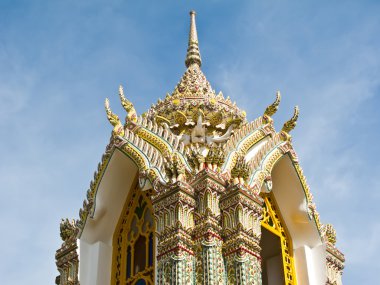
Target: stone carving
<point>68,229</point>
<point>329,233</point>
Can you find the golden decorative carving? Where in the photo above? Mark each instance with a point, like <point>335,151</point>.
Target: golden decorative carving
<point>241,171</point>
<point>141,162</point>
<point>118,129</point>
<point>291,123</point>
<point>195,158</point>
<point>174,169</point>
<point>272,109</point>
<point>329,233</point>
<point>128,107</point>
<point>215,157</point>
<point>193,95</point>
<point>180,118</point>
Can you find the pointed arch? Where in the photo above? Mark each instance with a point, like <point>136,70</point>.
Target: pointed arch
<point>133,258</point>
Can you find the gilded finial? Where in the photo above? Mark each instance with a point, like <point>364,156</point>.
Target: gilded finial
<point>118,129</point>
<point>291,124</point>
<point>128,106</point>
<point>272,109</point>
<point>193,55</point>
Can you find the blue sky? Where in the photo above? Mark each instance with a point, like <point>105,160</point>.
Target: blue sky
<point>60,59</point>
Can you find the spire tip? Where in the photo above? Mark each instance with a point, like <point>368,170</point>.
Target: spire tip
<point>193,55</point>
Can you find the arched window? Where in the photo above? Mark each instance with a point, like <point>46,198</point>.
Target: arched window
<point>133,245</point>
<point>276,254</point>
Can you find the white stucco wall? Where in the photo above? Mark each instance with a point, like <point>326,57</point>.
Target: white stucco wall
<point>96,240</point>
<point>95,263</point>
<point>308,249</point>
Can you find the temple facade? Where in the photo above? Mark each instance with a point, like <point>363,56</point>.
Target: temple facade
<point>190,192</point>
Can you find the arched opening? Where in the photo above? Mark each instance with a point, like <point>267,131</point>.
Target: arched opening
<point>133,254</point>
<point>275,243</point>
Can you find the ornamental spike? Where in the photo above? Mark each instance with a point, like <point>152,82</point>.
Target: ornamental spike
<point>291,124</point>
<point>121,90</point>
<point>128,106</point>
<point>124,101</point>
<point>193,55</point>
<point>107,106</point>
<point>272,109</point>
<point>113,118</point>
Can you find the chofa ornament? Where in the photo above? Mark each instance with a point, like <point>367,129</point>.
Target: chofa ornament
<point>118,129</point>
<point>290,125</point>
<point>128,107</point>
<point>292,122</point>
<point>272,108</point>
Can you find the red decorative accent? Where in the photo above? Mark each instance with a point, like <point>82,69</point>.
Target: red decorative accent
<point>243,249</point>
<point>179,247</point>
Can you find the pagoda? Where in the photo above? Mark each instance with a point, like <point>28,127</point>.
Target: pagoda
<point>190,192</point>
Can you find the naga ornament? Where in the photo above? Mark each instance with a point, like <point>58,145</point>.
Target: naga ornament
<point>290,124</point>
<point>128,107</point>
<point>118,129</point>
<point>272,109</point>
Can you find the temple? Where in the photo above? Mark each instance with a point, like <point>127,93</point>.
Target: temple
<point>190,192</point>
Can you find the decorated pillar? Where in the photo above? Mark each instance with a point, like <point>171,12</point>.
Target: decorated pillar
<point>241,212</point>
<point>208,186</point>
<point>173,208</point>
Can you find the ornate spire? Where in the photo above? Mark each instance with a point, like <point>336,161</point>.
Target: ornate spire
<point>193,55</point>
<point>179,113</point>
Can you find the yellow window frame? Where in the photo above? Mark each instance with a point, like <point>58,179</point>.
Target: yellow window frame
<point>121,240</point>
<point>272,221</point>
